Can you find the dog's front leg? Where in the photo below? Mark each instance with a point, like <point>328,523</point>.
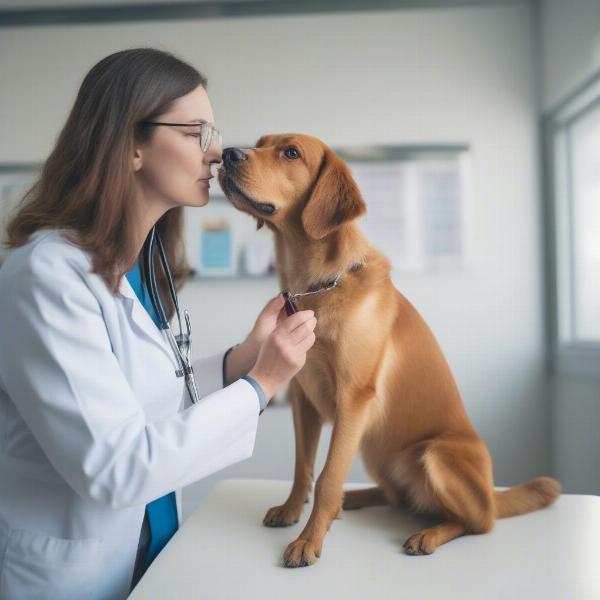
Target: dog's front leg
<point>307,428</point>
<point>348,428</point>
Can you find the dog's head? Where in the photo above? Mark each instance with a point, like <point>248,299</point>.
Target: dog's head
<point>291,181</point>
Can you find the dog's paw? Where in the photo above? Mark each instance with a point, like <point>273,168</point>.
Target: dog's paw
<point>301,553</point>
<point>420,543</point>
<point>281,516</point>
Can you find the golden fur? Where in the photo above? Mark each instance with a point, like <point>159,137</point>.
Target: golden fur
<point>376,371</point>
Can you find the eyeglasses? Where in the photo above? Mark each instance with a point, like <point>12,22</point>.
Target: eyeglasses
<point>208,133</point>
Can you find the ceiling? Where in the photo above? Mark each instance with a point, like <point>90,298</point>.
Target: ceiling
<point>56,12</point>
<point>58,4</point>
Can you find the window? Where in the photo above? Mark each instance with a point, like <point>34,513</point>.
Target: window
<point>585,197</point>
<point>573,154</point>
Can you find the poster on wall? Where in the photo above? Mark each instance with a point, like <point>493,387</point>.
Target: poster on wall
<point>417,203</point>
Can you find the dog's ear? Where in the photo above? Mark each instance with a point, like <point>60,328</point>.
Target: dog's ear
<point>334,200</point>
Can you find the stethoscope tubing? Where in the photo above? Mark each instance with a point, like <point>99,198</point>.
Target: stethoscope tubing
<point>184,366</point>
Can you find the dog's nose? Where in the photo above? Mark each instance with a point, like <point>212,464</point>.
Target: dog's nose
<point>232,155</point>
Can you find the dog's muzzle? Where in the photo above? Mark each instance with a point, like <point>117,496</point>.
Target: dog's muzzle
<point>232,156</point>
<point>232,159</point>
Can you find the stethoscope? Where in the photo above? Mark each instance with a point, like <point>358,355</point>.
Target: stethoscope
<point>180,344</point>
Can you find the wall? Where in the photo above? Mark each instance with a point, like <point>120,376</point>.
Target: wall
<point>459,75</point>
<point>570,46</point>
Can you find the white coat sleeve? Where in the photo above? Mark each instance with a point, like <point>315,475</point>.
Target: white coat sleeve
<point>57,366</point>
<point>208,372</point>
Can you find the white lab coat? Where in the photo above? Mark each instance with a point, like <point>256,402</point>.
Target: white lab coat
<point>93,424</point>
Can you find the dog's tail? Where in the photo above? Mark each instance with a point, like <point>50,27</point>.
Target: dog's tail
<point>526,497</point>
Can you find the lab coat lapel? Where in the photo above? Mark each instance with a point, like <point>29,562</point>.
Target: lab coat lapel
<point>139,315</point>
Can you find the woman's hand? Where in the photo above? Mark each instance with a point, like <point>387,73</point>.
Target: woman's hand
<point>243,357</point>
<point>283,352</point>
<point>269,317</point>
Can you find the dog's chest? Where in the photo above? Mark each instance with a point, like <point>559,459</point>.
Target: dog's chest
<point>318,380</point>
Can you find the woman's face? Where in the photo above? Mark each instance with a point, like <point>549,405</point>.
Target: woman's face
<point>171,169</point>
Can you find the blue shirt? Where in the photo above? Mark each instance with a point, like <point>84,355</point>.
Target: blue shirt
<point>162,512</point>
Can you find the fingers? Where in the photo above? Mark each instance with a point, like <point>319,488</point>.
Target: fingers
<point>303,330</point>
<point>278,300</point>
<point>274,304</point>
<point>282,315</point>
<point>307,343</point>
<point>296,320</point>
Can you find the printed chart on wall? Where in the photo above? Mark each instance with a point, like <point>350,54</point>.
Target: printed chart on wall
<point>417,203</point>
<point>224,242</point>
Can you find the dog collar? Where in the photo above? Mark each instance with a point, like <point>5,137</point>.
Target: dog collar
<point>291,305</point>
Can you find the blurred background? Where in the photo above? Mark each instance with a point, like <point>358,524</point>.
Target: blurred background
<point>496,108</point>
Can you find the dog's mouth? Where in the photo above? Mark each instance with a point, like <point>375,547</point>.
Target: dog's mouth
<point>231,189</point>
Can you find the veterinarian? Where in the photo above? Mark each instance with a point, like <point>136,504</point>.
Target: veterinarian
<point>103,416</point>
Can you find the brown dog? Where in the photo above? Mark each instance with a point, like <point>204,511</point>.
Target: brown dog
<point>375,371</point>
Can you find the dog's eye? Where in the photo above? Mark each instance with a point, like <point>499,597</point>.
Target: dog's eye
<point>291,153</point>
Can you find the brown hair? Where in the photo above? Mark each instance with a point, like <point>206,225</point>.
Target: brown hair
<point>86,184</point>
